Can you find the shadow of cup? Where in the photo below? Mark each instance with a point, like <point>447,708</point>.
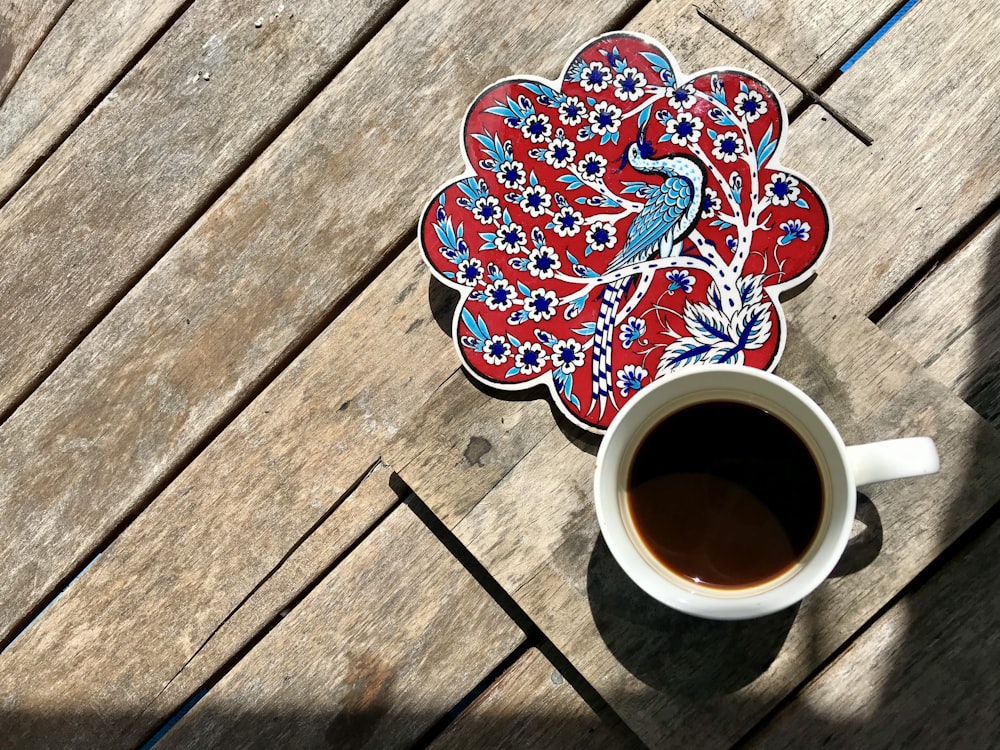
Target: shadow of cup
<point>866,543</point>
<point>672,652</point>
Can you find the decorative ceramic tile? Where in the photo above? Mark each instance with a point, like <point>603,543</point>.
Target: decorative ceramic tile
<point>620,224</point>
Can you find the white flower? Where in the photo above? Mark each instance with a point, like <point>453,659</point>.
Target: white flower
<point>469,272</point>
<point>633,330</point>
<point>567,222</point>
<point>535,200</point>
<point>596,77</point>
<point>540,305</point>
<point>500,295</point>
<point>560,152</point>
<point>486,209</point>
<point>511,238</point>
<point>530,358</point>
<point>571,111</point>
<point>536,128</point>
<point>684,129</point>
<point>511,174</point>
<point>630,85</point>
<point>680,98</point>
<point>728,147</point>
<point>496,351</point>
<point>710,203</point>
<point>601,235</point>
<point>592,166</point>
<point>782,189</point>
<point>605,117</point>
<point>630,378</point>
<point>749,104</point>
<point>568,355</point>
<point>543,262</point>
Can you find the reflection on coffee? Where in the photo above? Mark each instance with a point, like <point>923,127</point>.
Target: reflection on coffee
<point>725,494</point>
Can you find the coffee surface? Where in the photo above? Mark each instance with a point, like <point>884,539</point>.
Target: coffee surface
<point>725,494</point>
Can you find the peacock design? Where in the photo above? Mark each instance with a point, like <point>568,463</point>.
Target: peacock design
<point>670,212</point>
<point>621,223</point>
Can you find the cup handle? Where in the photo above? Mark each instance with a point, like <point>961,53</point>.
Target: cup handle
<point>892,459</point>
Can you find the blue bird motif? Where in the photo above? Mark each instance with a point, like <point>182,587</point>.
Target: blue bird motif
<point>670,212</point>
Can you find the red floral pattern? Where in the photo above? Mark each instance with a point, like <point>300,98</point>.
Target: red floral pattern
<point>548,201</point>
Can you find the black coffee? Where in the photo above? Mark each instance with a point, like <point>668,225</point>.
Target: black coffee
<point>725,494</point>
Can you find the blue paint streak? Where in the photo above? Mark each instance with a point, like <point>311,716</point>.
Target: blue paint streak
<point>878,34</point>
<point>49,605</point>
<point>175,718</point>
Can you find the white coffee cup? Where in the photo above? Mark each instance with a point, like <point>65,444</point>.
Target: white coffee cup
<point>841,468</point>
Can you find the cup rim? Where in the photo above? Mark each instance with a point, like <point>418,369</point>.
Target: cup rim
<point>652,404</point>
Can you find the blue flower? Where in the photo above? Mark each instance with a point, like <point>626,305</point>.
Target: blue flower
<point>571,111</point>
<point>782,189</point>
<point>710,203</point>
<point>592,166</point>
<point>486,209</point>
<point>530,358</point>
<point>630,378</point>
<point>595,77</point>
<point>499,295</point>
<point>536,128</point>
<point>469,272</point>
<point>680,98</point>
<point>680,279</point>
<point>568,355</point>
<point>633,330</point>
<point>496,351</point>
<point>794,229</point>
<point>511,174</point>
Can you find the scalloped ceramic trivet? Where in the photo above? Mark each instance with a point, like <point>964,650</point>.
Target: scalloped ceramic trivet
<point>620,224</point>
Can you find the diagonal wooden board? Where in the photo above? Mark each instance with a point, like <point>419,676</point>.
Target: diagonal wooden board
<point>90,46</point>
<point>535,531</point>
<point>951,322</point>
<point>148,160</point>
<point>530,706</point>
<point>378,653</point>
<point>927,175</point>
<point>24,25</point>
<point>923,675</point>
<point>214,319</point>
<point>184,588</point>
<point>135,313</point>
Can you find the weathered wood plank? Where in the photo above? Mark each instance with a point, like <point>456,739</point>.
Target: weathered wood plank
<point>895,203</point>
<point>90,46</point>
<point>536,532</point>
<point>530,706</point>
<point>951,322</point>
<point>393,638</point>
<point>280,252</point>
<point>23,26</point>
<point>810,39</point>
<point>147,161</point>
<point>162,606</point>
<point>359,511</point>
<point>924,674</point>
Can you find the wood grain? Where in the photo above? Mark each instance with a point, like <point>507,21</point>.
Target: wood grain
<point>23,27</point>
<point>811,39</point>
<point>275,259</point>
<point>167,603</point>
<point>147,161</point>
<point>536,532</point>
<point>382,649</point>
<point>923,674</point>
<point>530,706</point>
<point>895,203</point>
<point>951,322</point>
<point>91,45</point>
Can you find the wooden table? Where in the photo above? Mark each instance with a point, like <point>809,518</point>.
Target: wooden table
<point>247,498</point>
